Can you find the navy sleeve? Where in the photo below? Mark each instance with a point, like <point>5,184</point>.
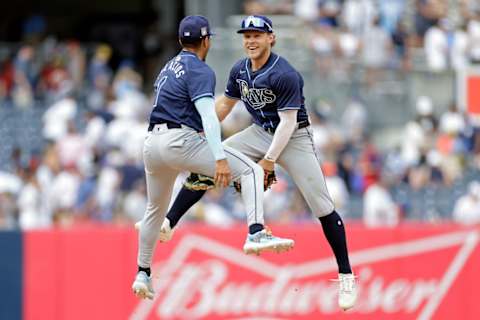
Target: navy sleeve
<point>288,91</point>
<point>232,90</point>
<point>201,82</point>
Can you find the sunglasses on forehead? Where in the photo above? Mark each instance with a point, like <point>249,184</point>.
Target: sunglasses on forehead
<point>256,22</point>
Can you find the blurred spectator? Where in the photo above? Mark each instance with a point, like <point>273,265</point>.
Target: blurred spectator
<point>359,15</point>
<point>76,64</point>
<point>436,46</point>
<point>401,43</point>
<point>418,134</point>
<point>95,128</point>
<point>336,187</point>
<point>379,209</point>
<point>7,211</point>
<point>72,147</point>
<point>25,77</point>
<point>57,117</point>
<point>211,210</point>
<point>467,207</point>
<point>473,29</point>
<point>451,145</point>
<point>63,194</point>
<point>31,213</point>
<point>268,7</point>
<point>136,202</point>
<point>428,13</point>
<point>354,119</point>
<point>391,12</point>
<point>306,10</point>
<point>108,185</point>
<point>369,165</point>
<point>54,78</point>
<point>329,13</point>
<point>459,52</point>
<point>126,80</point>
<point>6,79</point>
<point>99,77</point>
<point>452,121</point>
<point>278,198</point>
<point>394,165</point>
<point>375,50</point>
<point>326,136</point>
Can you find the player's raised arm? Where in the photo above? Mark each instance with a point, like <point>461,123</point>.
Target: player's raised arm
<point>223,106</point>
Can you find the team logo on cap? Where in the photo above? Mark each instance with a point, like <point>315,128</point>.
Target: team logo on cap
<point>186,34</point>
<point>203,31</point>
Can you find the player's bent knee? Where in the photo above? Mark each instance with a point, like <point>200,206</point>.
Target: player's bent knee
<point>254,169</point>
<point>258,171</point>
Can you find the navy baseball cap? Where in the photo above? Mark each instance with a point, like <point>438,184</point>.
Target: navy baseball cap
<point>256,23</point>
<point>194,27</point>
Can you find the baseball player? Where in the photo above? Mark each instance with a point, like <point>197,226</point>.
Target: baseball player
<point>272,91</point>
<point>184,107</point>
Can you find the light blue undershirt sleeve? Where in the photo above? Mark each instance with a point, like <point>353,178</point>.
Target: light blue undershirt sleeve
<point>206,108</point>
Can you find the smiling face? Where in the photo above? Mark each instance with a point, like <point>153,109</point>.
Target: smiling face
<point>257,45</point>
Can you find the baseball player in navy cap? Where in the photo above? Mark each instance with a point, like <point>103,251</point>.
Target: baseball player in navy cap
<point>272,91</point>
<point>183,108</point>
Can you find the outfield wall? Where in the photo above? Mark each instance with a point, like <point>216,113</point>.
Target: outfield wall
<point>411,272</point>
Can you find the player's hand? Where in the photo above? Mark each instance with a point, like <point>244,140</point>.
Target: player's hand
<point>267,165</point>
<point>222,173</point>
<point>269,177</point>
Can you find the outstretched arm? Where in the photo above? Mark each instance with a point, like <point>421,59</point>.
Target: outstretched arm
<point>288,122</point>
<point>223,106</point>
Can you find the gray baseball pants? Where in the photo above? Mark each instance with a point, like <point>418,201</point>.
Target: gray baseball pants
<point>166,153</point>
<point>298,159</point>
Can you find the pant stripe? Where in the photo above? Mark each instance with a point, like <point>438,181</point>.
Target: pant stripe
<point>254,179</point>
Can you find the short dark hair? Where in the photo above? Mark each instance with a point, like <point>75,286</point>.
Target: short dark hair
<point>191,43</point>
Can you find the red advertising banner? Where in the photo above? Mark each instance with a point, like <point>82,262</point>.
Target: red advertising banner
<point>473,94</point>
<point>412,272</point>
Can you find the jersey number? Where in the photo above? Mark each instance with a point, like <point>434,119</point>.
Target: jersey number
<point>159,86</point>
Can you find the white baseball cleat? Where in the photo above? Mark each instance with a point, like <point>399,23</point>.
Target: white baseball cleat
<point>166,233</point>
<point>138,224</point>
<point>142,286</point>
<point>264,241</point>
<point>347,291</point>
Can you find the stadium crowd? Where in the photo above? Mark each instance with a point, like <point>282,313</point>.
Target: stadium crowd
<point>89,168</point>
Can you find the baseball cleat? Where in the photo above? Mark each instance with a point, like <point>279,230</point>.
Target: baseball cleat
<point>138,224</point>
<point>264,241</point>
<point>347,291</point>
<point>142,286</point>
<point>166,232</point>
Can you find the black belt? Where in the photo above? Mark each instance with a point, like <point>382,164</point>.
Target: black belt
<point>170,125</point>
<point>300,125</point>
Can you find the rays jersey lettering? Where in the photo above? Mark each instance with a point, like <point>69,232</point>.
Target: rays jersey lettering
<point>275,87</point>
<point>175,66</point>
<point>257,98</point>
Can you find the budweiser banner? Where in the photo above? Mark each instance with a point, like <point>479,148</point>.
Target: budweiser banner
<point>412,272</point>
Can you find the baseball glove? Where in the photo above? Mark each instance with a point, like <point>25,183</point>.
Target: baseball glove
<point>269,178</point>
<point>197,182</point>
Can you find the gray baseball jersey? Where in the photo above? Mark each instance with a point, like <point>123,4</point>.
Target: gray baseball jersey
<point>275,87</point>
